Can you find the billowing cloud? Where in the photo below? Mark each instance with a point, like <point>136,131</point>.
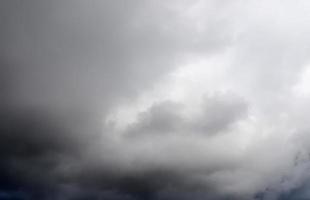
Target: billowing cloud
<point>154,100</point>
<point>170,118</point>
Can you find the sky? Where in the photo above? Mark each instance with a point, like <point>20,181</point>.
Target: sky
<point>154,100</point>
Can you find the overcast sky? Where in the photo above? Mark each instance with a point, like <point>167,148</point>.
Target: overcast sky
<point>154,100</point>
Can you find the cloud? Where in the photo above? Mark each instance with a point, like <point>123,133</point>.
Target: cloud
<point>154,100</point>
<point>169,117</point>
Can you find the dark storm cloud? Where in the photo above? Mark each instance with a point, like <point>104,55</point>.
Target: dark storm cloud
<point>67,67</point>
<point>34,144</point>
<point>63,65</point>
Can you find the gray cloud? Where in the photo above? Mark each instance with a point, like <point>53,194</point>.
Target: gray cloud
<point>168,118</point>
<point>154,100</point>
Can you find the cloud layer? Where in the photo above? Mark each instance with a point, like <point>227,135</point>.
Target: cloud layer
<point>154,100</point>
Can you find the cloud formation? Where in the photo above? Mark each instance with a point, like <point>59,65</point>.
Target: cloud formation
<point>154,100</point>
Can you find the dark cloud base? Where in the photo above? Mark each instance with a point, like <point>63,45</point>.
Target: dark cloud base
<point>32,143</point>
<point>29,165</point>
